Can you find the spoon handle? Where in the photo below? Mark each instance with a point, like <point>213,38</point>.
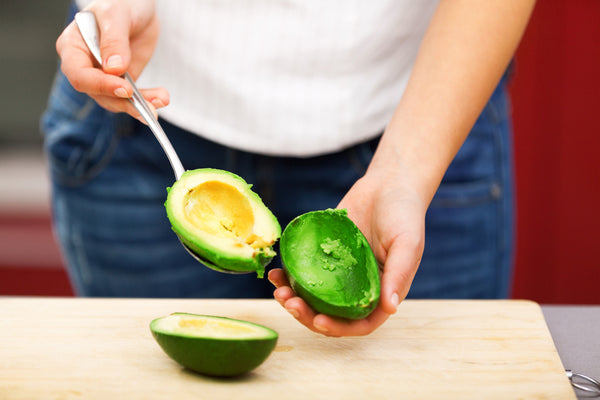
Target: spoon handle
<point>86,22</point>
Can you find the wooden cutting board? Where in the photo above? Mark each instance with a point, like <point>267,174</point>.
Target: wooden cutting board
<point>70,348</point>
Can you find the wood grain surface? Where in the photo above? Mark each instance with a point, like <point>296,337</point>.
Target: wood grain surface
<point>83,348</point>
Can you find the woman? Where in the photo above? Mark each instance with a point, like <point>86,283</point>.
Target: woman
<point>394,110</point>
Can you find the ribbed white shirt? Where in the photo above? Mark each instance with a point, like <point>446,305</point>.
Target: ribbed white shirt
<point>285,77</point>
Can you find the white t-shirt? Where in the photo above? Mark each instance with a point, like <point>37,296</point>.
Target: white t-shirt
<point>285,77</point>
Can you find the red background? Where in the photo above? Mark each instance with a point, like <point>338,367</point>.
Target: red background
<point>556,109</point>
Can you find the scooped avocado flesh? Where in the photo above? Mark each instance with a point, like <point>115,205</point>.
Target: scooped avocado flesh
<point>211,345</point>
<point>329,263</point>
<point>220,209</point>
<point>216,215</point>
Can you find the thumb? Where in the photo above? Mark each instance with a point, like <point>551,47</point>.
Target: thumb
<point>399,270</point>
<point>114,26</point>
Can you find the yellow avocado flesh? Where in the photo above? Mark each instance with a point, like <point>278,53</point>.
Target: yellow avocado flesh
<point>199,326</point>
<point>221,210</point>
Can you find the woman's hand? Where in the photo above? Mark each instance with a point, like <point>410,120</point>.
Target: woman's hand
<point>391,215</point>
<point>128,35</point>
<point>465,51</point>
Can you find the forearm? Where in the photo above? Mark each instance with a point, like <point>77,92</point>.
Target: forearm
<point>463,55</point>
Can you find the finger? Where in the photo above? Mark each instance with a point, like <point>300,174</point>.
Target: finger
<point>400,268</point>
<point>319,322</point>
<point>277,277</point>
<point>283,294</point>
<point>287,298</point>
<point>158,97</point>
<point>302,312</point>
<point>121,105</point>
<point>93,81</point>
<point>116,105</point>
<point>77,64</point>
<point>338,327</point>
<point>114,24</point>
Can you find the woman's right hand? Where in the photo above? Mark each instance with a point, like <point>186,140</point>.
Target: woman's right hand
<point>128,35</point>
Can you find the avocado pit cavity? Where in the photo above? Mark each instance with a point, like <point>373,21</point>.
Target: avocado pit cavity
<point>221,210</point>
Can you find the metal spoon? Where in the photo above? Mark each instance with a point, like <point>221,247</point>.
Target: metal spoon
<point>86,22</point>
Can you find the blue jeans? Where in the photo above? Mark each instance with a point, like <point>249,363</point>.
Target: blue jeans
<point>109,178</point>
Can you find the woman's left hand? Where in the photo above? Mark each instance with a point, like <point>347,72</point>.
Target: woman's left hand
<point>391,215</point>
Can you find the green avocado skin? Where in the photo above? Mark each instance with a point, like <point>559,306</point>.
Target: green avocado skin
<point>322,306</point>
<point>223,261</point>
<point>216,357</point>
<point>340,292</point>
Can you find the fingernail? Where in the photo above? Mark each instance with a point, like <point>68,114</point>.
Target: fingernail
<point>395,300</point>
<point>321,328</point>
<point>294,312</point>
<point>142,120</point>
<point>157,103</point>
<point>113,62</point>
<point>121,92</point>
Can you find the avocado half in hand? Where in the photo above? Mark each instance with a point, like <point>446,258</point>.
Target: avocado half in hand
<point>330,264</point>
<point>217,216</point>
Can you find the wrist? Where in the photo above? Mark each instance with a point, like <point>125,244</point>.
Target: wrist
<point>407,155</point>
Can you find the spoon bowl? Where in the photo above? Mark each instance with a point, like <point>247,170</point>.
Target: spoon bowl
<point>207,263</point>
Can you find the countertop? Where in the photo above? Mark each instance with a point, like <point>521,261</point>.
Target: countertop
<point>73,348</point>
<point>576,334</point>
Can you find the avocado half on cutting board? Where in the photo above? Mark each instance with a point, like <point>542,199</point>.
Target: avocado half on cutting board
<point>211,345</point>
<point>326,258</point>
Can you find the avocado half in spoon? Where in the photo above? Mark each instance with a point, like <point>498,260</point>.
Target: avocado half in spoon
<point>330,264</point>
<point>221,220</point>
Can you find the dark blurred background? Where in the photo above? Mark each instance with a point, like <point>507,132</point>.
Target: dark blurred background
<point>555,95</point>
<point>28,31</point>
